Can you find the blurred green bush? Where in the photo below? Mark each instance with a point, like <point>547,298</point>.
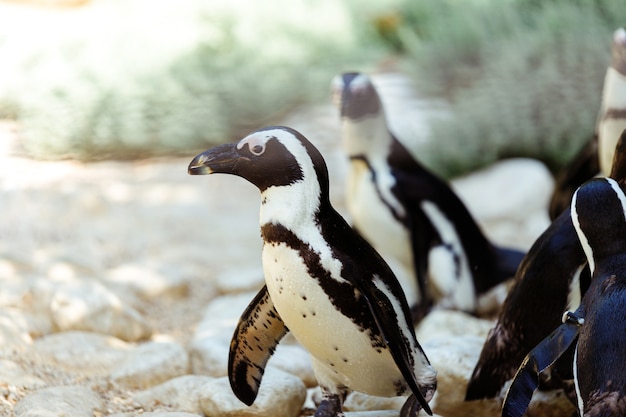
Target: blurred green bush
<point>524,77</point>
<point>128,78</point>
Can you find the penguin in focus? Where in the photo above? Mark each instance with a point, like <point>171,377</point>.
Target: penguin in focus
<point>597,329</point>
<point>409,214</point>
<point>542,290</point>
<point>323,283</point>
<point>596,156</point>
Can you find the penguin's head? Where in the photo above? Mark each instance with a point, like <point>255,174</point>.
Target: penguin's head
<point>355,96</point>
<point>618,51</point>
<point>274,156</point>
<point>598,212</point>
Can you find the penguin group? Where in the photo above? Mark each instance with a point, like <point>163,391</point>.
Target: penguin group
<point>351,292</point>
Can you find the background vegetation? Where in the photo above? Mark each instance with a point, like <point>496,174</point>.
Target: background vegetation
<point>128,78</point>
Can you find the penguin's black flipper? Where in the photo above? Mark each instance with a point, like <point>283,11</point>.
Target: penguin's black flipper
<point>506,263</point>
<point>394,335</point>
<point>584,166</point>
<point>258,332</point>
<point>421,230</point>
<point>545,354</point>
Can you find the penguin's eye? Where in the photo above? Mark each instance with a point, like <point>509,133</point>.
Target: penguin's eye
<point>256,146</point>
<point>257,149</point>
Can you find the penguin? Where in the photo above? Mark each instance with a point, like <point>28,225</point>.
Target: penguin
<point>597,329</point>
<point>541,291</point>
<point>596,156</point>
<point>409,214</point>
<point>323,283</point>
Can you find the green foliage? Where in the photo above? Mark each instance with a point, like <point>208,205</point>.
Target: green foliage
<point>524,77</point>
<point>131,78</point>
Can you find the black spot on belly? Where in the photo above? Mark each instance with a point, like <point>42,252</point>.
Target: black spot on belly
<point>342,294</point>
<point>303,315</point>
<point>303,297</point>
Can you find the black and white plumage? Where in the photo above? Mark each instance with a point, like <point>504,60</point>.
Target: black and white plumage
<point>324,283</point>
<point>597,330</point>
<point>596,156</point>
<point>409,214</point>
<point>543,289</point>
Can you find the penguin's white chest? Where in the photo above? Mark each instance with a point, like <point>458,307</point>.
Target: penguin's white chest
<point>378,226</point>
<point>344,353</point>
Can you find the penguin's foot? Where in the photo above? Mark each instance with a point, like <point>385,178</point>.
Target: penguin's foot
<point>331,406</point>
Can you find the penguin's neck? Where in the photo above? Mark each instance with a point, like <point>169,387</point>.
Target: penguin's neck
<point>294,206</point>
<point>614,91</point>
<point>367,138</point>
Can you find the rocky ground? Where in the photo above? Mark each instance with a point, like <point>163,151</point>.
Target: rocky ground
<point>121,282</point>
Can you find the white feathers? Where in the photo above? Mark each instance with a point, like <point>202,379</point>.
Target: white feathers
<point>581,236</point>
<point>449,270</point>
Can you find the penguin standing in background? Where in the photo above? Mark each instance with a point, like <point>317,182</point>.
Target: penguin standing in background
<point>410,215</point>
<point>597,155</point>
<point>542,290</point>
<point>597,330</point>
<point>323,282</point>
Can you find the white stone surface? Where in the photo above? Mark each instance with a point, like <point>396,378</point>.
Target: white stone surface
<point>90,306</point>
<point>150,364</point>
<point>181,393</point>
<point>72,401</point>
<point>280,395</point>
<point>210,345</point>
<point>87,352</point>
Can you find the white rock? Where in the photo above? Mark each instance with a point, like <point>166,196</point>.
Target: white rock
<point>296,360</point>
<point>280,395</point>
<point>446,323</point>
<point>72,401</point>
<point>151,364</point>
<point>208,350</point>
<point>240,280</point>
<point>156,414</point>
<point>11,373</point>
<point>84,351</point>
<point>147,282</point>
<point>14,330</point>
<point>509,199</point>
<point>358,404</point>
<point>181,393</point>
<point>357,401</point>
<point>90,306</point>
<point>454,358</point>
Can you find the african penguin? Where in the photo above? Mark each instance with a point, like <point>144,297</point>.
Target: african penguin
<point>597,330</point>
<point>409,214</point>
<point>323,282</point>
<point>596,156</point>
<point>542,290</point>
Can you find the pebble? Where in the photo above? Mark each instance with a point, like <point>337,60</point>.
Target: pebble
<point>156,414</point>
<point>151,364</point>
<point>208,350</point>
<point>12,373</point>
<point>181,393</point>
<point>280,395</point>
<point>88,352</point>
<point>90,306</point>
<point>72,401</point>
<point>146,282</point>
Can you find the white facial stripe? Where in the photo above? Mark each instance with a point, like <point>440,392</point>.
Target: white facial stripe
<point>620,194</point>
<point>256,142</point>
<point>579,397</point>
<point>581,236</point>
<point>360,82</point>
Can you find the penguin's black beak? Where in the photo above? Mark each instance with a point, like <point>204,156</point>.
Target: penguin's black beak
<point>222,159</point>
